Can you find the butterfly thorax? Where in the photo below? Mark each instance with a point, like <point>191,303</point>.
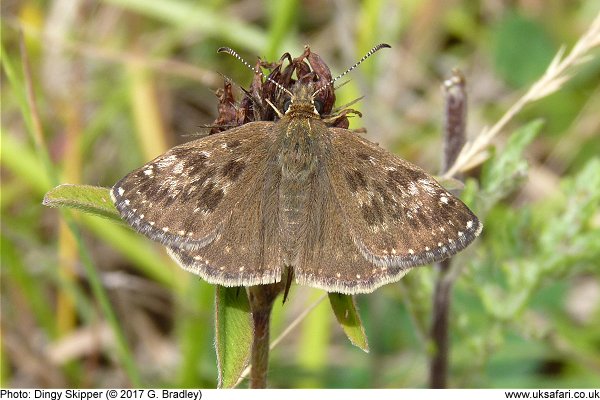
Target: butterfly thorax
<point>300,132</point>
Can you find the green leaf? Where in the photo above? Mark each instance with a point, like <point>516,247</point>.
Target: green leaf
<point>572,236</point>
<point>503,172</point>
<point>345,310</point>
<point>90,199</point>
<point>233,336</point>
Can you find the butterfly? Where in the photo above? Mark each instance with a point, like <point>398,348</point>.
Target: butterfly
<point>244,206</point>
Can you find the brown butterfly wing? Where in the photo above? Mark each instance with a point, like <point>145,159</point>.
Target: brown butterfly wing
<point>246,250</point>
<point>397,214</point>
<point>184,197</point>
<point>330,259</point>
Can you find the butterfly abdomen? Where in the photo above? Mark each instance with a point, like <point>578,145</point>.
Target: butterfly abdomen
<point>298,162</point>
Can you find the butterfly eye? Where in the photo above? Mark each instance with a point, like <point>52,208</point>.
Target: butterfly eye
<point>318,106</point>
<point>286,105</point>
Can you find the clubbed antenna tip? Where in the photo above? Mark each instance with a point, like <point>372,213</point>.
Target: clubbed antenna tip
<point>369,54</point>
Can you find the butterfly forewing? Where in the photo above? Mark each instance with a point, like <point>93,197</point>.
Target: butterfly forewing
<point>399,215</point>
<point>184,197</point>
<point>246,252</point>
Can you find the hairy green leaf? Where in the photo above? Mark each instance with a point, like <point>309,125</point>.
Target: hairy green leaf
<point>233,334</point>
<point>90,199</point>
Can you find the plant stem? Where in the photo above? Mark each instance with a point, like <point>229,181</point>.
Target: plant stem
<point>438,373</point>
<point>454,140</point>
<point>261,300</point>
<point>260,349</point>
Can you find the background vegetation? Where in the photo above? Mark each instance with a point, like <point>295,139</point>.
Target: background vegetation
<point>117,82</point>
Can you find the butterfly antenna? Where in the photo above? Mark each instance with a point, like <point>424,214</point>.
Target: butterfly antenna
<point>369,54</point>
<point>256,70</point>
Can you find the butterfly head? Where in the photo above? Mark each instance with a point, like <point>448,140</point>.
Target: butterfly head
<point>303,101</point>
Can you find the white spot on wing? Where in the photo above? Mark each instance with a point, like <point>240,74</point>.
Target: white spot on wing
<point>121,191</point>
<point>178,168</point>
<point>167,161</point>
<point>427,185</point>
<point>412,189</point>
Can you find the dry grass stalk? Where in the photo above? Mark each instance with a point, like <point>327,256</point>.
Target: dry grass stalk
<point>557,73</point>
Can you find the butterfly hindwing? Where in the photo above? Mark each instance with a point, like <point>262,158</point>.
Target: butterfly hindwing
<point>398,214</point>
<point>330,259</point>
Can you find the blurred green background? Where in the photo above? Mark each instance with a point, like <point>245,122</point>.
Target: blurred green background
<point>117,82</point>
